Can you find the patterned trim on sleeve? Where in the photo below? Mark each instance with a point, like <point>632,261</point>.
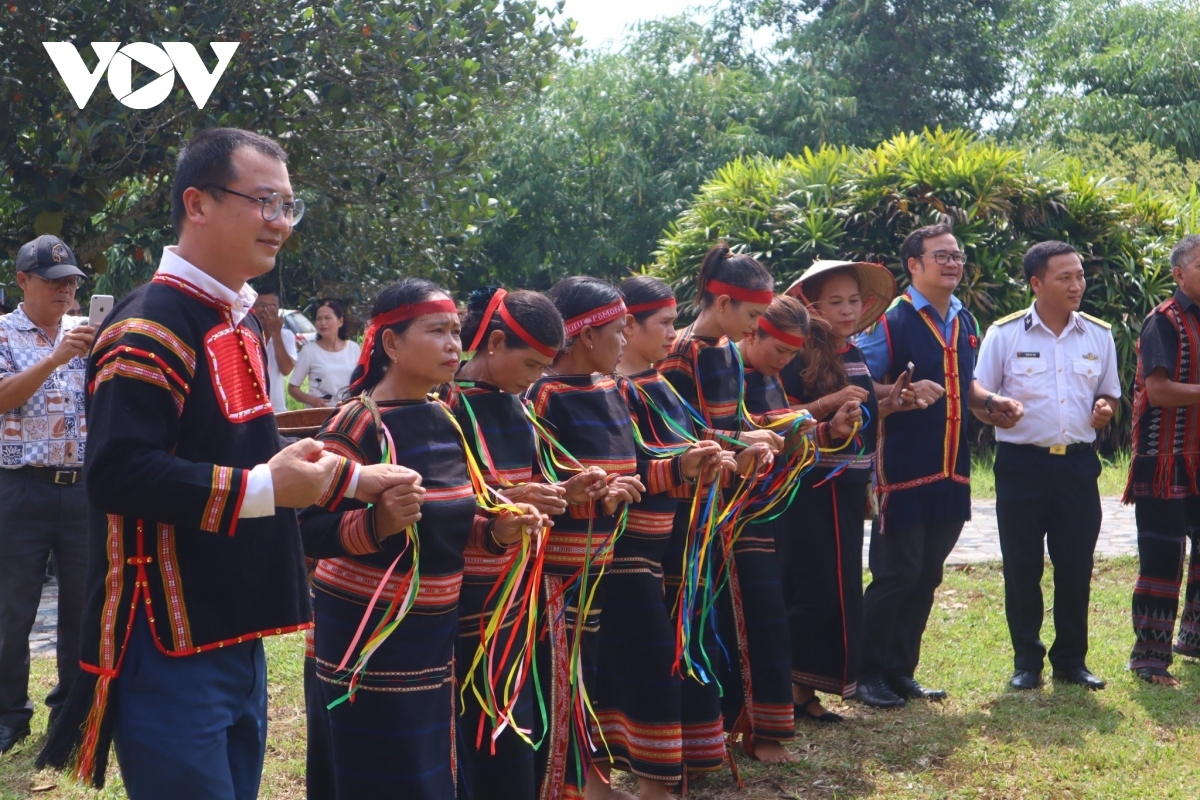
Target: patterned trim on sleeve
<point>357,533</point>
<point>337,487</point>
<point>154,331</point>
<point>225,500</point>
<point>142,365</point>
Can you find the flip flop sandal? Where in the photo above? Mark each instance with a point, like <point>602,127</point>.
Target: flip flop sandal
<point>1148,674</point>
<point>828,717</point>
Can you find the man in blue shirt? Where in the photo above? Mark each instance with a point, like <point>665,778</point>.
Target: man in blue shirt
<point>924,460</point>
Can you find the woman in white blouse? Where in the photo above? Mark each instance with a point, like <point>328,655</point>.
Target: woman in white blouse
<point>327,362</point>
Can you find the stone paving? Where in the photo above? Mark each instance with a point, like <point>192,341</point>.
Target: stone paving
<point>980,540</point>
<point>978,543</point>
<point>43,636</point>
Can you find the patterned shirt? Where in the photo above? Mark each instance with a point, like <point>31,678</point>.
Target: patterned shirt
<point>48,429</point>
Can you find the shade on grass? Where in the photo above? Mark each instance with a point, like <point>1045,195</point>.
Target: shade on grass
<point>1129,741</point>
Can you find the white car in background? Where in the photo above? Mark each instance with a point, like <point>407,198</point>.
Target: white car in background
<point>300,325</point>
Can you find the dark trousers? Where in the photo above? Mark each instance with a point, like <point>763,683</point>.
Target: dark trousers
<point>37,518</point>
<point>1164,527</point>
<point>191,727</point>
<point>906,569</point>
<point>1052,498</point>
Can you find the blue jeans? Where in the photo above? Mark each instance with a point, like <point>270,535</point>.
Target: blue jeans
<point>191,727</point>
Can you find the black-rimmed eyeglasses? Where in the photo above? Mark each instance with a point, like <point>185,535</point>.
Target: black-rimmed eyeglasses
<point>272,204</point>
<point>943,257</point>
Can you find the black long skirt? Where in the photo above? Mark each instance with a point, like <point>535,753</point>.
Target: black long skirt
<point>821,543</point>
<point>757,697</point>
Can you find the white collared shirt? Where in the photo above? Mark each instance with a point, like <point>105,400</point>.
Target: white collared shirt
<point>239,302</point>
<point>1056,378</point>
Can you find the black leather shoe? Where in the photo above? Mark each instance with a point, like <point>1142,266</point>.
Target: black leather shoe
<point>9,737</point>
<point>1025,679</point>
<point>909,689</point>
<point>877,694</point>
<point>1080,676</point>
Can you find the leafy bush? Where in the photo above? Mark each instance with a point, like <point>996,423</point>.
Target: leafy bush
<point>861,203</point>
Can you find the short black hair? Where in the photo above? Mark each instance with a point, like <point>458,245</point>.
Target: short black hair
<point>1037,258</point>
<point>208,159</point>
<point>268,288</point>
<point>914,243</point>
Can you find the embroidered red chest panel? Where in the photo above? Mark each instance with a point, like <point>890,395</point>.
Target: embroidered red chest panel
<point>235,362</point>
<point>235,359</point>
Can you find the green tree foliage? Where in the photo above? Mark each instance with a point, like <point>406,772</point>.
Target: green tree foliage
<point>861,203</point>
<point>1121,155</point>
<point>597,165</point>
<point>909,64</point>
<point>378,103</point>
<point>1125,67</point>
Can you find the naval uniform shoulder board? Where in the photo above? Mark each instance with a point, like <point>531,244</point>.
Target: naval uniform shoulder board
<point>1106,325</point>
<point>1011,317</point>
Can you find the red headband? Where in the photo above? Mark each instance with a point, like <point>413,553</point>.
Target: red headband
<point>496,305</point>
<point>653,305</point>
<point>396,316</point>
<point>595,317</point>
<point>765,326</point>
<point>764,296</point>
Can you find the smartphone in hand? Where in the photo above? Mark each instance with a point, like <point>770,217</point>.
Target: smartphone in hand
<point>99,308</point>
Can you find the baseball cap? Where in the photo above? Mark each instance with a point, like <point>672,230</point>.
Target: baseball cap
<point>47,257</point>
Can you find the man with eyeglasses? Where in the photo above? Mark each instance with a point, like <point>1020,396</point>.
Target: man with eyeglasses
<point>924,464</point>
<point>43,505</point>
<point>198,554</point>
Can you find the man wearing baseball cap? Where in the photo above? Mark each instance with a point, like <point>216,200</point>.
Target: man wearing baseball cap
<point>43,506</point>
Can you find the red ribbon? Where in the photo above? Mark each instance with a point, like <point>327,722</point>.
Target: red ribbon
<point>496,304</point>
<point>653,305</point>
<point>764,296</point>
<point>765,326</point>
<point>396,316</point>
<point>595,317</point>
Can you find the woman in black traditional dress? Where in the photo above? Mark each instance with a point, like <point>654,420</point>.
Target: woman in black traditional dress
<point>399,735</point>
<point>757,700</point>
<point>822,558</point>
<point>733,291</point>
<point>514,337</point>
<point>582,413</point>
<point>639,686</point>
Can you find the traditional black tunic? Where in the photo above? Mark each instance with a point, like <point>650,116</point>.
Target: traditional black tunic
<point>1164,484</point>
<point>505,453</point>
<point>178,414</point>
<point>758,696</point>
<point>587,415</point>
<point>821,547</point>
<point>706,372</point>
<point>638,696</point>
<point>399,736</point>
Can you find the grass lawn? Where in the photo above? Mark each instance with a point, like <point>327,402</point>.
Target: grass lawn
<point>1129,741</point>
<point>1114,472</point>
